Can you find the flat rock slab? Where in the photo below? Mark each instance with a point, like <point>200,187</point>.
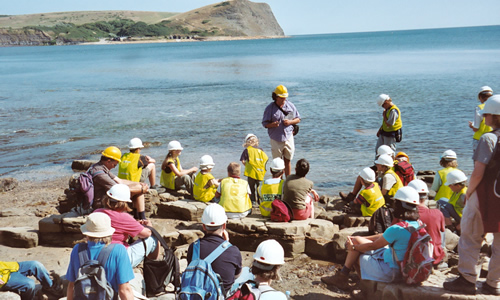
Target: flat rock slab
<point>189,210</point>
<point>9,296</point>
<point>19,237</point>
<point>8,184</point>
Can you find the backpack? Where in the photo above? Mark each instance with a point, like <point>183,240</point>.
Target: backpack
<point>159,273</point>
<point>250,290</point>
<point>281,211</point>
<point>405,172</point>
<point>381,220</point>
<point>416,266</point>
<point>91,282</point>
<point>85,188</point>
<point>199,281</point>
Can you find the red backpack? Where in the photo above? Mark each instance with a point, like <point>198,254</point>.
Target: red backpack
<point>416,266</point>
<point>250,290</point>
<point>282,212</point>
<point>405,172</point>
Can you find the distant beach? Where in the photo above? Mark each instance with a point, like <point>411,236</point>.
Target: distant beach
<point>196,39</point>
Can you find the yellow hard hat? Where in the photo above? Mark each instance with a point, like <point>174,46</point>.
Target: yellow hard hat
<point>402,154</point>
<point>113,153</point>
<point>281,91</point>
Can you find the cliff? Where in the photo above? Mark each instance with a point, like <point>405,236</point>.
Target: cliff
<point>231,18</point>
<point>23,37</point>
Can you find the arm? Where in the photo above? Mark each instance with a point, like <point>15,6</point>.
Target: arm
<point>475,178</point>
<point>180,172</point>
<point>362,244</point>
<point>125,291</point>
<point>291,122</point>
<point>146,232</point>
<point>69,291</point>
<point>150,159</point>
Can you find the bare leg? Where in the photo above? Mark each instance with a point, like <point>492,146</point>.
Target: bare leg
<point>139,204</point>
<point>152,174</point>
<point>288,166</point>
<point>156,253</point>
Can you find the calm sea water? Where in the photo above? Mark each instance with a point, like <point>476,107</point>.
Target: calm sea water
<point>63,103</point>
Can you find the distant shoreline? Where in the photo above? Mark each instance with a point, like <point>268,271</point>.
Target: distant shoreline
<point>203,39</point>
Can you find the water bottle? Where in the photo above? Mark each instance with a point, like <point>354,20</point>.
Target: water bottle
<point>287,293</point>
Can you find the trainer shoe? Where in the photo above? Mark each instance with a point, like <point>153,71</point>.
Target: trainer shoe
<point>56,290</point>
<point>460,285</point>
<point>489,290</point>
<point>340,280</point>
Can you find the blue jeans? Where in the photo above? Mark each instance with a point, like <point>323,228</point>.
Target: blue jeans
<point>24,286</point>
<point>448,210</point>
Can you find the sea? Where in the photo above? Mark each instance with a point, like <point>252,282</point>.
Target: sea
<point>63,103</point>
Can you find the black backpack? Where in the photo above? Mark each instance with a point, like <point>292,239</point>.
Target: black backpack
<point>91,282</point>
<point>381,220</point>
<point>159,273</point>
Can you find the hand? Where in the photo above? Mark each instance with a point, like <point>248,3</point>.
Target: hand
<point>348,244</point>
<point>470,124</point>
<point>146,223</point>
<point>316,196</point>
<point>144,188</point>
<point>287,122</point>
<point>194,169</point>
<point>274,124</point>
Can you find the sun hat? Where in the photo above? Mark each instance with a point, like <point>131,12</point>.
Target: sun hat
<point>277,164</point>
<point>385,160</point>
<point>119,192</point>
<point>367,174</point>
<point>135,143</point>
<point>382,98</point>
<point>269,253</point>
<point>98,225</point>
<point>214,215</point>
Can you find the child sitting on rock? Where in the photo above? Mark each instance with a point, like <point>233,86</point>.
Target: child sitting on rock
<point>205,184</point>
<point>453,207</point>
<point>254,159</point>
<point>234,193</point>
<point>449,163</point>
<point>271,188</point>
<point>370,198</point>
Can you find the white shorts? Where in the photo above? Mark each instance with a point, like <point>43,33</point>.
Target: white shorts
<point>284,149</point>
<point>136,251</point>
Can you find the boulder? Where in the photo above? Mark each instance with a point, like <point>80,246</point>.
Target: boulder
<point>322,229</point>
<point>319,248</point>
<point>351,220</point>
<point>9,296</point>
<point>298,228</point>
<point>181,251</point>
<point>450,240</point>
<point>188,210</point>
<point>19,237</point>
<point>12,212</point>
<point>252,223</point>
<point>8,184</point>
<point>82,165</point>
<point>340,238</point>
<point>335,216</point>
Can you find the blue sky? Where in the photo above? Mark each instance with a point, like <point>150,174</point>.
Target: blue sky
<point>309,17</point>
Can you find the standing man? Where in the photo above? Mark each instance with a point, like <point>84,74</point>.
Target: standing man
<point>279,118</point>
<point>478,125</point>
<point>391,124</point>
<point>137,167</point>
<point>104,180</point>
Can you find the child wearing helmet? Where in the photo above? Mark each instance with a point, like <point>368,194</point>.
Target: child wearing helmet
<point>137,167</point>
<point>404,168</point>
<point>390,181</point>
<point>449,163</point>
<point>371,256</point>
<point>254,159</point>
<point>173,176</point>
<point>234,193</point>
<point>271,188</point>
<point>205,184</point>
<point>370,198</point>
<point>480,214</point>
<point>453,207</point>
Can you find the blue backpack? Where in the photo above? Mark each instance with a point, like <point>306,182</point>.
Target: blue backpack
<point>199,281</point>
<point>91,282</point>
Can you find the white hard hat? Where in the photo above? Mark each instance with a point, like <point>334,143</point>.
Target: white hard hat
<point>384,149</point>
<point>409,195</point>
<point>385,160</point>
<point>382,98</point>
<point>419,185</point>
<point>119,192</point>
<point>269,252</point>
<point>174,145</point>
<point>455,176</point>
<point>449,154</point>
<point>492,106</point>
<point>277,164</point>
<point>206,162</point>
<point>485,89</point>
<point>214,215</point>
<point>367,174</point>
<point>249,136</point>
<point>135,143</point>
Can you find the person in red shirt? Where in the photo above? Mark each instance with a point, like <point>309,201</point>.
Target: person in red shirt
<point>434,220</point>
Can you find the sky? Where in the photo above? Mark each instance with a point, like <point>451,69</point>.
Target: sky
<point>298,17</point>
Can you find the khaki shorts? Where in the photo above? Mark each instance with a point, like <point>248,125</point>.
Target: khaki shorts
<point>284,149</point>
<point>145,174</point>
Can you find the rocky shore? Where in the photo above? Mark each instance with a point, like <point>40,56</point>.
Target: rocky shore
<point>314,248</point>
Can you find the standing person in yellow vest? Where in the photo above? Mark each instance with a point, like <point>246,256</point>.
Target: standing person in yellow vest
<point>478,125</point>
<point>173,176</point>
<point>390,181</point>
<point>234,193</point>
<point>370,198</point>
<point>254,159</point>
<point>137,167</point>
<point>449,163</point>
<point>272,188</point>
<point>392,124</point>
<point>205,184</point>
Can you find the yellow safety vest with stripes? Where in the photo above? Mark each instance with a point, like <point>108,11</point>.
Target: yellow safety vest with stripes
<point>454,198</point>
<point>374,198</point>
<point>483,128</point>
<point>255,167</point>
<point>268,192</point>
<point>128,167</point>
<point>397,125</point>
<point>201,193</point>
<point>234,195</point>
<point>396,186</point>
<point>444,191</point>
<point>6,268</point>
<point>168,179</point>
